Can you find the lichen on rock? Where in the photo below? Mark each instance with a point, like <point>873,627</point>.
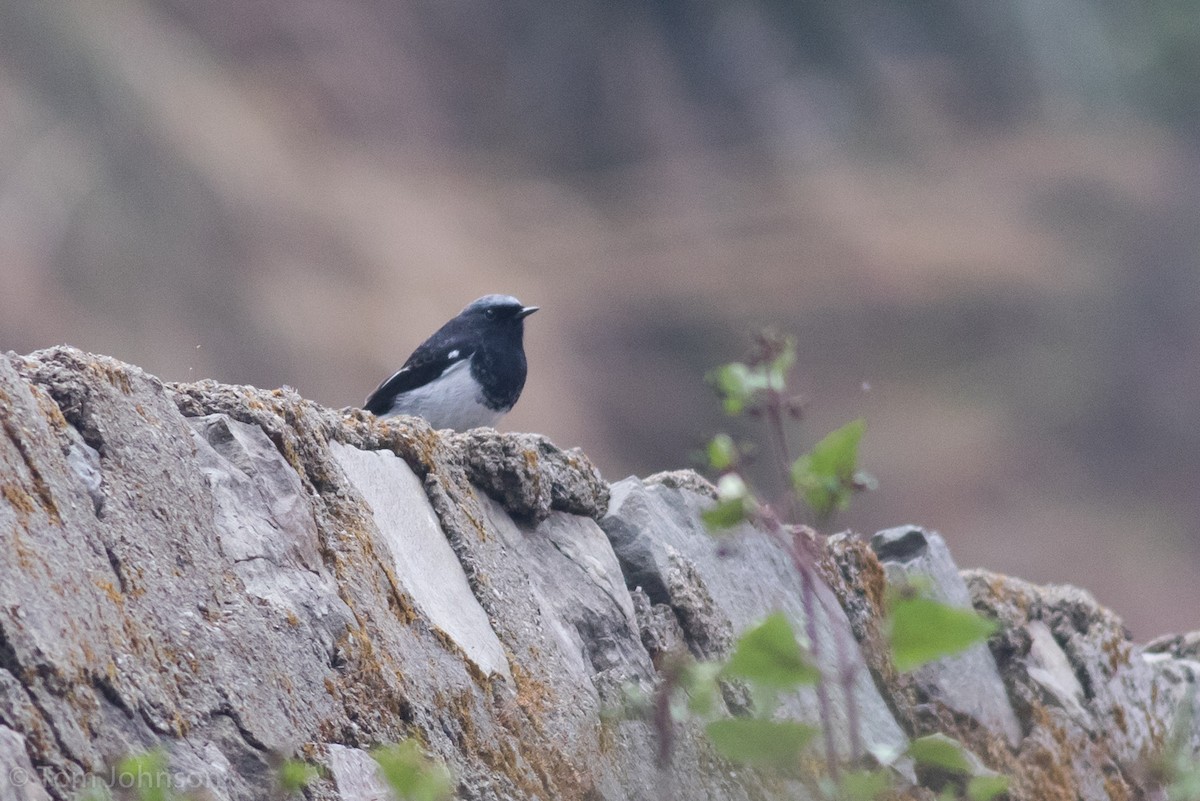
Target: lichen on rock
<point>239,575</point>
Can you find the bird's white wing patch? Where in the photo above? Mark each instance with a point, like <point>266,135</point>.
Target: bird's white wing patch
<point>451,400</point>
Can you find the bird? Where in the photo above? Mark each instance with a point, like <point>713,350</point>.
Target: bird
<point>468,374</point>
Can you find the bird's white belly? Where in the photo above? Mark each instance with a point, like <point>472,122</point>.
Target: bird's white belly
<point>451,400</point>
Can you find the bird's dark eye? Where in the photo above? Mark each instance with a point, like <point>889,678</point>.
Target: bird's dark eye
<point>490,314</point>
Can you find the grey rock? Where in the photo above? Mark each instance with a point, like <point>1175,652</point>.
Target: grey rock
<point>717,587</point>
<point>356,775</point>
<point>659,627</point>
<point>422,563</point>
<point>529,475</point>
<point>1091,737</point>
<point>968,683</point>
<point>683,479</point>
<point>266,529</point>
<point>84,460</point>
<point>1049,667</point>
<point>239,576</point>
<point>1183,646</point>
<point>19,780</point>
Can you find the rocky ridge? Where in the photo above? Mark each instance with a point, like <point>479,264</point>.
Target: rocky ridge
<point>240,575</point>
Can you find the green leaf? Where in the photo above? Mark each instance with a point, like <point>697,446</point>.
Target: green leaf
<point>942,752</point>
<point>294,775</point>
<point>922,630</point>
<point>760,742</point>
<point>865,785</point>
<point>737,384</point>
<point>733,503</point>
<point>722,453</point>
<point>1177,762</point>
<point>768,654</point>
<point>699,681</point>
<point>148,774</point>
<point>1185,787</point>
<point>412,775</point>
<point>825,476</point>
<point>725,514</point>
<point>781,365</point>
<point>985,788</point>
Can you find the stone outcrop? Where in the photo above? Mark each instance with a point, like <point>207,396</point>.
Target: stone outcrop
<point>239,576</point>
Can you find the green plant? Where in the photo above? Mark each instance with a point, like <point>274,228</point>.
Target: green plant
<point>144,776</point>
<point>827,476</point>
<point>1176,768</point>
<point>769,659</point>
<point>293,775</point>
<point>404,767</point>
<point>956,771</point>
<point>921,629</point>
<point>411,775</point>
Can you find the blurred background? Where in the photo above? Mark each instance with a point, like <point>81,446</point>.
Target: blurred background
<point>979,219</point>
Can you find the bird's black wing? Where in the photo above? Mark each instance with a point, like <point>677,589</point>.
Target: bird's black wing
<point>430,360</point>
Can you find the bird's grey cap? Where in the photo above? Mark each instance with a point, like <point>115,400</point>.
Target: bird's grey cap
<point>499,302</point>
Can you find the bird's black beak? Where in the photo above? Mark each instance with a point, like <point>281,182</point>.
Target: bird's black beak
<point>526,311</point>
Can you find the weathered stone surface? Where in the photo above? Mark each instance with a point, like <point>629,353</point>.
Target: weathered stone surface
<point>716,587</point>
<point>356,775</point>
<point>422,562</point>
<point>1183,646</point>
<point>262,577</point>
<point>1093,724</point>
<point>966,683</point>
<point>265,527</point>
<point>19,781</point>
<point>529,475</point>
<point>239,575</point>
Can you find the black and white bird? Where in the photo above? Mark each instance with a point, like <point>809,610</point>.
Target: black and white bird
<point>468,374</point>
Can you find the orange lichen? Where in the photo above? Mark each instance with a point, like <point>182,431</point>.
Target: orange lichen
<point>19,501</point>
<point>111,591</point>
<point>1120,720</point>
<point>532,696</point>
<point>1118,651</point>
<point>1115,788</point>
<point>115,376</point>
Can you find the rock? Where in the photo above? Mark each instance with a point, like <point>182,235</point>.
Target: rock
<point>967,683</point>
<point>271,578</point>
<point>19,781</point>
<point>1096,721</point>
<point>659,627</point>
<point>239,576</point>
<point>428,580</point>
<point>719,586</point>
<point>1183,646</point>
<point>266,529</point>
<point>529,475</point>
<point>356,775</point>
<point>1049,667</point>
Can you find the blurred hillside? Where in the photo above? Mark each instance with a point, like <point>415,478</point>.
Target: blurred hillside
<point>985,213</point>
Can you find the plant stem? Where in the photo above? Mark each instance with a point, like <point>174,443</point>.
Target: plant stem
<point>847,672</point>
<point>774,410</point>
<point>809,600</point>
<point>790,538</point>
